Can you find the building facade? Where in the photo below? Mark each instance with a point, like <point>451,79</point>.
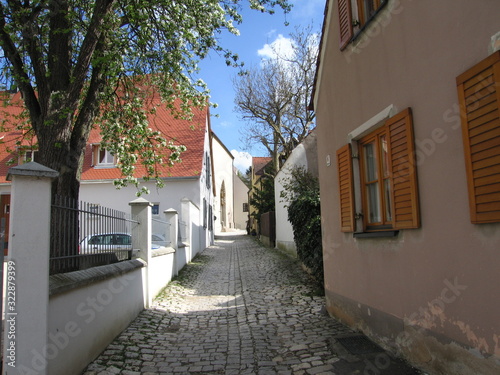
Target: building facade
<point>407,101</point>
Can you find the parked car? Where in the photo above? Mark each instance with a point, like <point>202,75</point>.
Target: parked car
<point>105,242</point>
<point>114,242</point>
<point>159,240</point>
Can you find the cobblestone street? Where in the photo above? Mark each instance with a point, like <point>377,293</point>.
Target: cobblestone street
<point>239,308</point>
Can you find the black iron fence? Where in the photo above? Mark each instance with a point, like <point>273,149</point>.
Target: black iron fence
<point>85,235</point>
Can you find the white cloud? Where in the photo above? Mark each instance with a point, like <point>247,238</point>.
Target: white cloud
<point>242,160</point>
<point>225,124</point>
<point>281,45</point>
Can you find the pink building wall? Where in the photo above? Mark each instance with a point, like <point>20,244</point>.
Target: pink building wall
<point>433,292</point>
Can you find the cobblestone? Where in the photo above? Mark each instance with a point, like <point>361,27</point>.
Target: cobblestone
<point>239,308</point>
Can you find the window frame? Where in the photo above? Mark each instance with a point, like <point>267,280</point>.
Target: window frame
<point>404,204</point>
<point>208,171</point>
<point>363,18</point>
<point>155,209</point>
<point>380,181</point>
<point>348,20</point>
<point>96,157</point>
<point>27,154</point>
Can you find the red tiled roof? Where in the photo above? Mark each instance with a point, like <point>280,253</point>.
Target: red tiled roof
<point>259,163</point>
<point>11,107</point>
<point>188,133</point>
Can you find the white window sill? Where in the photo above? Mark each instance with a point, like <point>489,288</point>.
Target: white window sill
<point>372,124</point>
<point>104,166</point>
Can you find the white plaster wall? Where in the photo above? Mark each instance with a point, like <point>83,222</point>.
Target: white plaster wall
<point>284,230</point>
<point>206,237</point>
<point>161,270</point>
<point>105,194</point>
<point>81,323</point>
<point>196,226</point>
<point>240,191</point>
<point>223,172</point>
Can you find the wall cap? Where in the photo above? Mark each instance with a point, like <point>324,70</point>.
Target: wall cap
<point>140,202</point>
<point>64,282</point>
<point>32,169</point>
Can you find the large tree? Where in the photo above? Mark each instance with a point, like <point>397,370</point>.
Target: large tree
<point>273,98</point>
<point>79,62</point>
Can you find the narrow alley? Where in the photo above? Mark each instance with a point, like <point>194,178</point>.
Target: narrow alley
<point>241,308</point>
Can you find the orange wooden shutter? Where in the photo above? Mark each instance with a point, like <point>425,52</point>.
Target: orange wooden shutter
<point>346,191</point>
<point>479,99</point>
<point>402,165</point>
<point>345,22</point>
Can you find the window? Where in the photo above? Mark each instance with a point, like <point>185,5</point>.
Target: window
<point>102,158</point>
<point>479,99</point>
<point>30,155</point>
<point>354,15</point>
<point>155,209</point>
<point>210,218</point>
<point>207,170</point>
<point>376,183</point>
<point>93,209</point>
<point>105,157</point>
<point>245,207</point>
<point>27,154</point>
<point>367,9</point>
<point>387,181</point>
<point>205,213</point>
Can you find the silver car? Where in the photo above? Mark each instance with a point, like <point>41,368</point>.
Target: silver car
<point>114,242</point>
<point>105,242</point>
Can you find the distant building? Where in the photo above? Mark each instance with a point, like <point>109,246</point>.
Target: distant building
<point>259,165</point>
<point>224,186</point>
<point>240,202</point>
<point>200,187</point>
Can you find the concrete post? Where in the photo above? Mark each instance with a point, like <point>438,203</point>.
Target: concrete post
<point>26,349</point>
<point>141,238</point>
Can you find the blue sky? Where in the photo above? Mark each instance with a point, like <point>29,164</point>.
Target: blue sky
<point>256,31</point>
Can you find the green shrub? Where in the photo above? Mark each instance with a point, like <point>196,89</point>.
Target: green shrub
<point>304,213</point>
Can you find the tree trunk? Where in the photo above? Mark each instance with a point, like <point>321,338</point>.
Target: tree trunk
<point>57,151</point>
<point>276,153</point>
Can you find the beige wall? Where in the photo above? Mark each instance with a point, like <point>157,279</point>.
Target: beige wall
<point>223,174</point>
<point>410,57</point>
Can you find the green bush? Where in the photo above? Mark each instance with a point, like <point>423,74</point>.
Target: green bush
<point>304,213</point>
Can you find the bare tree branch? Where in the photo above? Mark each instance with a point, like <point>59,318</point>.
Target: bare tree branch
<point>273,97</point>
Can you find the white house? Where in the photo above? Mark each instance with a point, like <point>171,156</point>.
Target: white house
<point>240,191</point>
<point>223,176</point>
<point>304,155</point>
<point>192,187</point>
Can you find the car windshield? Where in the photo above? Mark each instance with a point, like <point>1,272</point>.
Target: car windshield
<point>110,239</point>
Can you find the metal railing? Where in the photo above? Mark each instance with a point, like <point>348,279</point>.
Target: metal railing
<point>85,235</point>
<point>183,231</point>
<point>160,236</point>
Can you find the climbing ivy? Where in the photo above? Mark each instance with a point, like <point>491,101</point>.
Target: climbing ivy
<point>301,190</point>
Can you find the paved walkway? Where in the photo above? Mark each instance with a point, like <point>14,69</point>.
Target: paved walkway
<point>239,308</point>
